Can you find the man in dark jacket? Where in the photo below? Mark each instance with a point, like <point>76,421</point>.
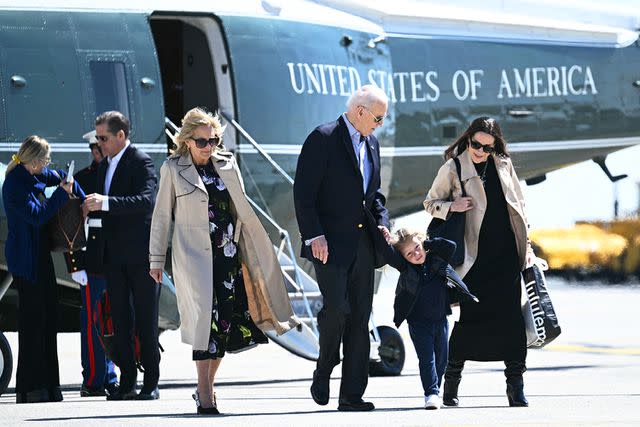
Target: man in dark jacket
<point>98,371</point>
<point>339,208</point>
<point>125,197</point>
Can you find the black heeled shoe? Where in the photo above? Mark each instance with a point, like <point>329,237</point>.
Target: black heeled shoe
<point>205,411</point>
<point>450,395</point>
<point>515,393</point>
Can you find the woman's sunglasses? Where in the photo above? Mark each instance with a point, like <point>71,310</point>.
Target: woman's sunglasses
<point>202,142</point>
<point>477,146</point>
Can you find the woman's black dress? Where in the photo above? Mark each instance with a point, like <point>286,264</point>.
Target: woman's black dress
<point>231,326</point>
<point>492,329</point>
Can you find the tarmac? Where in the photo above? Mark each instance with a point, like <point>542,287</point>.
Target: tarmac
<point>588,376</point>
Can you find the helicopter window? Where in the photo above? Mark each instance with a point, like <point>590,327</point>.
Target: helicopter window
<point>109,86</point>
<point>448,131</point>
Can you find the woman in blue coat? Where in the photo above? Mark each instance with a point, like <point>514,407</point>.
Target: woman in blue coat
<point>29,261</point>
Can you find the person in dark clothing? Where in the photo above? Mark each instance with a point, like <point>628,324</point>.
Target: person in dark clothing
<point>87,178</point>
<point>98,371</point>
<point>423,298</point>
<point>340,212</point>
<point>497,249</point>
<point>29,261</point>
<point>200,203</point>
<point>123,204</point>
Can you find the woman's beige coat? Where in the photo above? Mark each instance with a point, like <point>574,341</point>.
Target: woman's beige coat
<point>183,198</point>
<point>446,187</point>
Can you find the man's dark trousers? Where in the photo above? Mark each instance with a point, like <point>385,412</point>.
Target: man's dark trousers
<point>124,247</point>
<point>347,293</point>
<point>125,281</point>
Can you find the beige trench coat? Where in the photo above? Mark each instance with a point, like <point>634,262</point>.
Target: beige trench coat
<point>182,196</point>
<point>446,184</point>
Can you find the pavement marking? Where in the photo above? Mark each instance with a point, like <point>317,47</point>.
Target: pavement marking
<point>628,351</point>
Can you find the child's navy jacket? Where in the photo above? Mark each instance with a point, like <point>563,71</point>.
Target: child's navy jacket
<point>437,269</point>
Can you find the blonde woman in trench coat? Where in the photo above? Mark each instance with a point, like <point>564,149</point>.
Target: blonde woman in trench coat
<point>496,250</point>
<point>228,281</point>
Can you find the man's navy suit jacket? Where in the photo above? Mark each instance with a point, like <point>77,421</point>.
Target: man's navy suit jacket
<point>127,224</point>
<point>329,198</point>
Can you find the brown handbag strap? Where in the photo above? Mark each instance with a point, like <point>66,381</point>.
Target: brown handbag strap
<point>70,242</point>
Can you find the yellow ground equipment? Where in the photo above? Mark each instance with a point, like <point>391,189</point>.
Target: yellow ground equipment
<point>587,248</point>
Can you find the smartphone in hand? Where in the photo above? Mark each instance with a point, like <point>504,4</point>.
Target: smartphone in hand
<point>70,171</point>
<point>72,166</point>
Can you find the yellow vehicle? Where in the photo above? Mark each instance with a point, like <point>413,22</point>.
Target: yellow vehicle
<point>607,249</point>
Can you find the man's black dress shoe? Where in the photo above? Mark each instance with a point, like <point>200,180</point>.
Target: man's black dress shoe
<point>320,389</point>
<point>91,392</point>
<point>359,406</point>
<point>149,395</point>
<point>112,388</point>
<point>122,394</point>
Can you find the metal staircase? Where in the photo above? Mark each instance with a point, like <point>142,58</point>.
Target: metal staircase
<point>301,286</point>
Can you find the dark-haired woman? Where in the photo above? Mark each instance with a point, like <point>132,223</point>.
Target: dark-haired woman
<point>497,248</point>
<point>29,261</point>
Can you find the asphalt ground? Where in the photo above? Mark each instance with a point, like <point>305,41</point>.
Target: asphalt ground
<point>589,376</point>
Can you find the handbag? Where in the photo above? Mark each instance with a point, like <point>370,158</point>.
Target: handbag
<point>66,228</point>
<point>453,227</point>
<point>540,320</point>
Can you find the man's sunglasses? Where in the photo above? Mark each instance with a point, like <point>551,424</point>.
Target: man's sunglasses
<point>202,142</point>
<point>477,146</point>
<point>376,119</point>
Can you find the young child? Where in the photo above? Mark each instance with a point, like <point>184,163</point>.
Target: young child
<point>423,297</point>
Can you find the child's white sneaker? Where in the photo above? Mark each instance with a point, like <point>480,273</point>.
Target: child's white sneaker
<point>433,401</point>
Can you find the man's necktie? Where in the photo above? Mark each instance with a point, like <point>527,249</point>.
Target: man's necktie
<point>361,160</point>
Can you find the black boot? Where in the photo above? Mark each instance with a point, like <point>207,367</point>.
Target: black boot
<point>450,395</point>
<point>515,392</point>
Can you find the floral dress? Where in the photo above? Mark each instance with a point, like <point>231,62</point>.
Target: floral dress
<point>232,329</point>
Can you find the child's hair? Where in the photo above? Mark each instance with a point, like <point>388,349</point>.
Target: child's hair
<point>402,236</point>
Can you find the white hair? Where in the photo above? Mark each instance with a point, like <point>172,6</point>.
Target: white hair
<point>367,96</point>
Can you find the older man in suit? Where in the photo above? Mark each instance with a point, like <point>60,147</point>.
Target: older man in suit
<point>341,214</point>
<point>125,198</point>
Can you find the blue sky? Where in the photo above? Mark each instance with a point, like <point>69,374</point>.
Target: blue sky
<point>583,192</point>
